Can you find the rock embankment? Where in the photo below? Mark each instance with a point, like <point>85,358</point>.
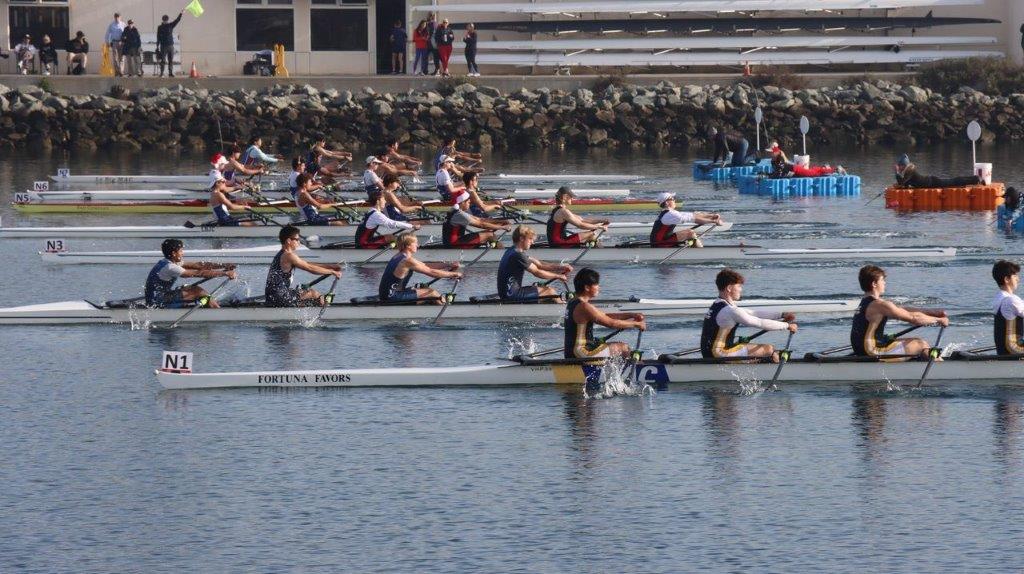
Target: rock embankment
<point>288,117</point>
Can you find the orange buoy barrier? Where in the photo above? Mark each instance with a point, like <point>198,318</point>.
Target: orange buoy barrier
<point>970,198</point>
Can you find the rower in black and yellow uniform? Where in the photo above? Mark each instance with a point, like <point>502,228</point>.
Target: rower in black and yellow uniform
<point>1008,309</point>
<point>718,334</point>
<point>581,315</point>
<point>868,338</point>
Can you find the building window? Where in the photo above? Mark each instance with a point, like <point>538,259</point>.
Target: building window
<point>340,2</point>
<point>37,20</point>
<point>261,28</point>
<point>339,30</point>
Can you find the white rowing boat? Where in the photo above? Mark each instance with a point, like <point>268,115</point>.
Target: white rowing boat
<point>659,7</point>
<point>959,369</point>
<point>616,228</point>
<point>141,195</point>
<point>81,312</point>
<point>723,58</point>
<point>736,42</point>
<point>68,178</point>
<point>264,254</point>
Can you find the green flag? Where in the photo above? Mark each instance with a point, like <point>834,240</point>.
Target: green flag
<point>194,8</point>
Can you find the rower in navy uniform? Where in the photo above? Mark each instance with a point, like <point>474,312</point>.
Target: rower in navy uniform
<point>516,261</point>
<point>395,207</point>
<point>448,150</point>
<point>254,157</point>
<point>664,232</point>
<point>376,230</point>
<point>718,334</point>
<point>279,291</point>
<point>399,159</point>
<point>1008,310</point>
<point>220,199</point>
<point>455,231</point>
<point>581,315</point>
<point>446,188</point>
<point>299,168</point>
<point>160,290</point>
<point>323,162</point>
<point>867,336</point>
<point>394,283</point>
<point>235,169</point>
<point>562,217</point>
<point>310,206</point>
<point>477,206</point>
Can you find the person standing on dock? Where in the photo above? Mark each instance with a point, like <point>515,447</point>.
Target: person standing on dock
<point>113,40</point>
<point>398,41</point>
<point>514,264</point>
<point>581,315</point>
<point>421,39</point>
<point>444,37</point>
<point>718,334</point>
<point>131,47</point>
<point>160,290</point>
<point>663,232</point>
<point>470,51</point>
<point>867,334</point>
<point>165,44</point>
<point>1008,309</point>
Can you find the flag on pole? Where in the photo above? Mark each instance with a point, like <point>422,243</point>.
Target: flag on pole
<point>194,8</point>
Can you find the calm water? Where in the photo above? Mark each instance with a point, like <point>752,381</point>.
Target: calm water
<point>103,472</point>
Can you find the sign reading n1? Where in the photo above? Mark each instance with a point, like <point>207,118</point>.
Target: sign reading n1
<point>176,362</point>
<point>56,246</point>
<point>40,186</point>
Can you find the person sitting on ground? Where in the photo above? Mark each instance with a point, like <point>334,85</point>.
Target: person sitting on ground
<point>730,142</point>
<point>24,53</point>
<point>908,176</point>
<point>802,168</point>
<point>48,56</point>
<point>78,54</point>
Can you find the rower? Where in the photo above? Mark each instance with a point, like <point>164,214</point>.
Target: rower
<point>321,160</point>
<point>395,208</point>
<point>254,156</point>
<point>478,206</point>
<point>395,280</point>
<point>443,179</point>
<point>398,158</point>
<point>160,290</point>
<point>220,200</point>
<point>310,206</point>
<point>1008,309</point>
<point>718,335</point>
<point>235,168</point>
<point>517,261</point>
<point>299,168</point>
<point>581,314</point>
<point>448,149</point>
<point>371,180</point>
<point>455,229</point>
<point>664,234</point>
<point>376,230</point>
<point>561,217</point>
<point>867,336</point>
<point>279,291</point>
<point>387,167</point>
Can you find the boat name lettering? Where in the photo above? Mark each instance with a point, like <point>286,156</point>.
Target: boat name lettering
<point>317,379</point>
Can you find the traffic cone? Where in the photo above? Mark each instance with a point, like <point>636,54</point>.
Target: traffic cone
<point>746,70</point>
<point>193,73</point>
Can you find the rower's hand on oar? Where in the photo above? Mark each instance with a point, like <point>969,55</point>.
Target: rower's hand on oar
<point>789,317</point>
<point>792,327</point>
<point>417,226</point>
<point>231,274</point>
<point>944,321</point>
<point>454,266</point>
<point>565,270</point>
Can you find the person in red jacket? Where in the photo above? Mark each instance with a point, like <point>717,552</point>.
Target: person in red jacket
<point>421,38</point>
<point>802,168</point>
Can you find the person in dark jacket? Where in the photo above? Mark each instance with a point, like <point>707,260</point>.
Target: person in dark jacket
<point>78,53</point>
<point>165,44</point>
<point>47,55</point>
<point>434,54</point>
<point>131,47</point>
<point>444,37</point>
<point>729,142</point>
<point>470,51</point>
<point>398,39</point>
<point>908,176</point>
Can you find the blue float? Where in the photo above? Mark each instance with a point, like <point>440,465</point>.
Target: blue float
<point>701,171</point>
<point>1007,220</point>
<point>827,186</point>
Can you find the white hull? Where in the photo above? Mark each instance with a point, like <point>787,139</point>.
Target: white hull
<point>669,6</point>
<point>616,229</point>
<point>264,254</point>
<point>777,57</point>
<point>203,179</point>
<point>188,195</point>
<point>649,372</point>
<point>84,312</point>
<point>735,42</point>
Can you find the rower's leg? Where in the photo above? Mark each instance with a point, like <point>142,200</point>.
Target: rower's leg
<point>915,346</point>
<point>618,349</point>
<point>428,293</point>
<point>548,294</point>
<point>762,350</point>
<point>687,235</point>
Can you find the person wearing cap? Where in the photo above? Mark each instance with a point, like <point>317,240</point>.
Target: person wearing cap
<point>78,52</point>
<point>377,230</point>
<point>160,290</point>
<point>254,156</point>
<point>220,196</point>
<point>113,40</point>
<point>372,182</point>
<point>131,47</point>
<point>664,233</point>
<point>443,179</point>
<point>562,217</point>
<point>516,262</point>
<point>477,206</point>
<point>310,206</point>
<point>729,142</point>
<point>448,149</point>
<point>48,56</point>
<point>908,176</point>
<point>24,53</point>
<point>394,282</point>
<point>455,229</point>
<point>781,166</point>
<point>235,167</point>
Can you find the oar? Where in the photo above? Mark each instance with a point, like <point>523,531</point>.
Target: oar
<point>847,347</point>
<point>933,354</point>
<point>600,341</point>
<point>328,298</point>
<point>740,341</point>
<point>634,357</point>
<point>880,194</point>
<point>450,297</point>
<point>688,244</point>
<point>201,303</point>
<point>390,245</point>
<point>783,358</point>
<point>590,245</point>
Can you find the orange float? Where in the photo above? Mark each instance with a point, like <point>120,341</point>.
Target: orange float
<point>970,198</point>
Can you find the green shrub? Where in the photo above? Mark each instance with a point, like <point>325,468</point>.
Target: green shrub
<point>603,82</point>
<point>44,83</point>
<point>778,76</point>
<point>994,76</point>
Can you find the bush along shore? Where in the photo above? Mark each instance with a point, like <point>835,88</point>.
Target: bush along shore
<point>289,117</point>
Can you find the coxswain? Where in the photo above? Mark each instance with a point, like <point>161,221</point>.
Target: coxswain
<point>729,142</point>
<point>398,158</point>
<point>220,199</point>
<point>562,217</point>
<point>254,156</point>
<point>310,206</point>
<point>908,176</point>
<point>455,231</point>
<point>664,234</point>
<point>235,169</point>
<point>446,188</point>
<point>868,338</point>
<point>477,206</point>
<point>376,230</point>
<point>581,315</point>
<point>387,167</point>
<point>516,261</point>
<point>396,208</point>
<point>371,179</point>
<point>160,290</point>
<point>394,283</point>
<point>279,291</point>
<point>1008,309</point>
<point>718,334</point>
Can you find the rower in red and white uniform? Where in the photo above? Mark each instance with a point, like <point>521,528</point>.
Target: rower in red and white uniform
<point>376,229</point>
<point>1008,309</point>
<point>394,282</point>
<point>562,217</point>
<point>867,334</point>
<point>664,232</point>
<point>446,188</point>
<point>581,315</point>
<point>455,231</point>
<point>516,262</point>
<point>310,206</point>
<point>718,334</point>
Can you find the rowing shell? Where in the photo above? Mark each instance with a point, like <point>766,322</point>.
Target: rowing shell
<point>616,228</point>
<point>264,254</point>
<point>591,205</point>
<point>654,373</point>
<point>175,179</point>
<point>80,312</point>
<point>164,195</point>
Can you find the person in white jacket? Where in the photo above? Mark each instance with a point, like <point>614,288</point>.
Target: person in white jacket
<point>718,335</point>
